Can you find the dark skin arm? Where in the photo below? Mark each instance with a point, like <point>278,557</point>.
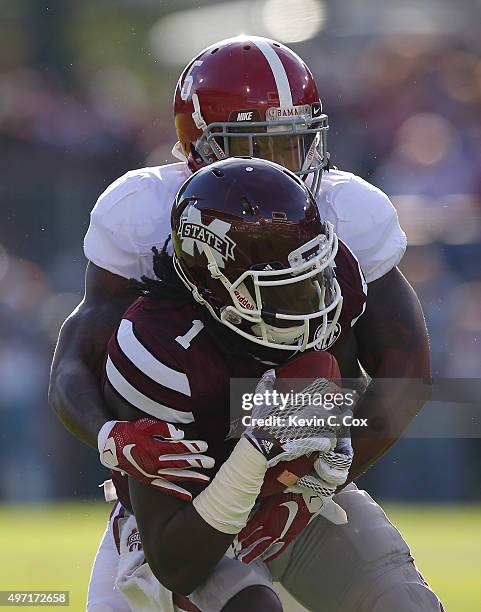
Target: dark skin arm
<point>74,390</point>
<point>190,548</point>
<point>77,399</point>
<point>392,344</point>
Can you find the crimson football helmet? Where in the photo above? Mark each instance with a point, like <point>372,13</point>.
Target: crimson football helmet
<point>250,246</point>
<point>251,96</point>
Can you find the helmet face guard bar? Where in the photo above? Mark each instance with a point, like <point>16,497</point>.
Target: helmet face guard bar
<point>314,157</point>
<point>250,308</point>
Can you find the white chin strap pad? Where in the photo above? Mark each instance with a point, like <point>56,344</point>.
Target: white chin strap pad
<point>279,335</point>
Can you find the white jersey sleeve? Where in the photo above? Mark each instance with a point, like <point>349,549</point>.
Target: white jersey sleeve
<point>130,217</point>
<point>365,220</point>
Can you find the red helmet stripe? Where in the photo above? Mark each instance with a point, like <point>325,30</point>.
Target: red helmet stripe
<point>278,70</point>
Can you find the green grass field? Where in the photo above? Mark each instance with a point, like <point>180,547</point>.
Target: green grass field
<point>52,547</point>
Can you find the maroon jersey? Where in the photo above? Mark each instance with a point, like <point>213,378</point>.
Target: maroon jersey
<point>172,361</point>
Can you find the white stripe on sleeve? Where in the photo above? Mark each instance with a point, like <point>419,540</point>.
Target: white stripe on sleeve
<point>141,401</point>
<point>147,363</point>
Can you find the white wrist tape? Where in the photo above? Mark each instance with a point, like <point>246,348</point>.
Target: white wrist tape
<point>226,503</point>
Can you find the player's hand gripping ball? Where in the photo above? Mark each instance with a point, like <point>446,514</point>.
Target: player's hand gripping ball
<point>296,375</point>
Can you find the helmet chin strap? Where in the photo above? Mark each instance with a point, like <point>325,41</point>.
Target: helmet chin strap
<point>282,335</point>
<point>197,115</point>
<point>178,152</point>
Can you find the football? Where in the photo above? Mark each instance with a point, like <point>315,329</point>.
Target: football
<point>295,375</point>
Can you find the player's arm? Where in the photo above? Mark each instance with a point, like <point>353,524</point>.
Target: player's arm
<point>393,345</point>
<point>74,391</point>
<point>184,541</point>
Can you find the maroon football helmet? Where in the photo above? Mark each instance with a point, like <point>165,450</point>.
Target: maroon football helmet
<point>250,246</point>
<point>251,96</point>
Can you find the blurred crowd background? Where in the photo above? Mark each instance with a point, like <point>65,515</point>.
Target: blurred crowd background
<point>85,95</point>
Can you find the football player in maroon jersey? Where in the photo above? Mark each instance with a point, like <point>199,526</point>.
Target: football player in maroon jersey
<point>255,277</point>
<point>239,81</point>
<point>224,85</point>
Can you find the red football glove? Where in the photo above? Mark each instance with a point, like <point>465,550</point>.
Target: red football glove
<point>154,453</point>
<point>278,519</point>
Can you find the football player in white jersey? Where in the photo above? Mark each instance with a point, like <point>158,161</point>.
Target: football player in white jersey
<point>254,96</point>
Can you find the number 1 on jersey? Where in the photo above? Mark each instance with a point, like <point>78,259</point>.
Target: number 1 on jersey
<point>186,339</point>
